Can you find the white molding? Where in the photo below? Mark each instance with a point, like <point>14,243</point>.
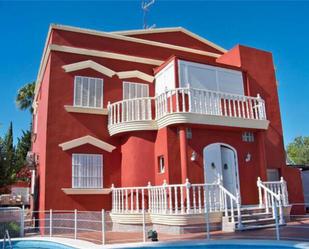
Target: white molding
<point>75,109</point>
<point>89,64</point>
<point>165,219</point>
<point>136,40</point>
<point>104,54</point>
<point>187,118</point>
<point>132,126</point>
<point>135,74</point>
<point>130,218</point>
<point>87,140</point>
<point>167,30</point>
<point>86,191</point>
<point>195,118</point>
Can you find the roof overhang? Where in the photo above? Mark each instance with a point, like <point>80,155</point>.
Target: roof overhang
<point>87,140</point>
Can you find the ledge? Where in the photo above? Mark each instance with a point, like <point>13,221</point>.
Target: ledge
<point>86,191</point>
<point>70,108</point>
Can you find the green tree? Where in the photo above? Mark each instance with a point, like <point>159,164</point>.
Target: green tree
<point>7,158</point>
<point>25,96</point>
<point>22,147</point>
<point>298,150</point>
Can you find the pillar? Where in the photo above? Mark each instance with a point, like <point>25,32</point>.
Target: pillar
<point>183,154</point>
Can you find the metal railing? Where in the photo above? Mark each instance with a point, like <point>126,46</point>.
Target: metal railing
<point>97,227</point>
<point>187,100</point>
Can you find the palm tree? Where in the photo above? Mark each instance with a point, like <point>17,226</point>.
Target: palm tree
<point>25,97</point>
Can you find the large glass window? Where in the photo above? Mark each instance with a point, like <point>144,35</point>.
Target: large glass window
<point>87,171</point>
<point>201,76</point>
<point>88,92</point>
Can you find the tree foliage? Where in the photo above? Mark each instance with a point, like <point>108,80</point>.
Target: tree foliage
<point>7,161</point>
<point>298,150</point>
<point>25,97</point>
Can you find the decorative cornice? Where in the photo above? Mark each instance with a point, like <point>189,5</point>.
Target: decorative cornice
<point>135,74</point>
<point>87,140</point>
<point>89,64</point>
<point>70,108</point>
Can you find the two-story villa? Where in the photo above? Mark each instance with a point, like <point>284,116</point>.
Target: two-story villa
<point>178,125</point>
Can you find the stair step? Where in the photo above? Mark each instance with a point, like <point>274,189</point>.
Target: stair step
<point>259,221</point>
<point>255,216</point>
<point>253,227</point>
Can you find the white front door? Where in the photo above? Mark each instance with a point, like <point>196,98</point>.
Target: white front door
<point>228,169</point>
<point>220,163</point>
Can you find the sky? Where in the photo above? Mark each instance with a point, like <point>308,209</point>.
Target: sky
<point>279,27</point>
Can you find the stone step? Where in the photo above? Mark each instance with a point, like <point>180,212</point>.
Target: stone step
<point>254,216</point>
<point>253,227</point>
<point>263,221</point>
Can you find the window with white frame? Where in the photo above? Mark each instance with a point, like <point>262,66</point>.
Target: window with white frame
<point>248,136</point>
<point>165,79</point>
<point>133,90</point>
<point>88,92</point>
<point>87,171</point>
<point>161,164</point>
<point>202,76</point>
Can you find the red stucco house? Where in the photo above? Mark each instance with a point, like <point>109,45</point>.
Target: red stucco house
<point>160,120</point>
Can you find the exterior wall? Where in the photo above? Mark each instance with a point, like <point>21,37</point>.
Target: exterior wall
<point>134,162</point>
<point>137,162</point>
<point>261,79</point>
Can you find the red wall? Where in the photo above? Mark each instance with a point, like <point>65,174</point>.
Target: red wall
<point>135,161</point>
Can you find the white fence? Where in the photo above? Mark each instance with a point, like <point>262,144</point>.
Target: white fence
<point>187,100</point>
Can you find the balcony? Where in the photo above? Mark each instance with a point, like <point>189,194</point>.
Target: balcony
<point>187,105</point>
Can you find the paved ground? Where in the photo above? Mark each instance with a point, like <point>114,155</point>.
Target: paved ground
<point>294,230</point>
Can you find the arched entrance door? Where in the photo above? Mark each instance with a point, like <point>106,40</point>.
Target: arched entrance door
<point>220,162</point>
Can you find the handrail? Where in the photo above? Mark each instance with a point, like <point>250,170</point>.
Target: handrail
<point>236,200</point>
<point>8,237</point>
<point>271,199</point>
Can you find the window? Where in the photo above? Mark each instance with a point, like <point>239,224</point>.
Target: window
<point>161,164</point>
<point>273,175</point>
<point>88,92</point>
<point>165,79</point>
<point>248,136</point>
<point>87,171</point>
<point>135,90</point>
<point>189,133</point>
<point>211,78</point>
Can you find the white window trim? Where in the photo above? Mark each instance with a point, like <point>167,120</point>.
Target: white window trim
<point>72,179</point>
<point>92,107</point>
<point>133,83</point>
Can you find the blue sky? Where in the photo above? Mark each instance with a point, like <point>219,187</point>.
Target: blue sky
<point>280,27</point>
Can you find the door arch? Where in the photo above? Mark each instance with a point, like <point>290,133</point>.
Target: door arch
<point>220,162</point>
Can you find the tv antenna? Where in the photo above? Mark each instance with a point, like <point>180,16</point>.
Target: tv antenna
<point>145,7</point>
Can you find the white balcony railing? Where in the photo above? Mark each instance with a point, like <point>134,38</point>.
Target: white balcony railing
<point>187,100</point>
<point>175,199</point>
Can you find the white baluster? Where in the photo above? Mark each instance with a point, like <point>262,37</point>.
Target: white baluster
<point>188,186</point>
